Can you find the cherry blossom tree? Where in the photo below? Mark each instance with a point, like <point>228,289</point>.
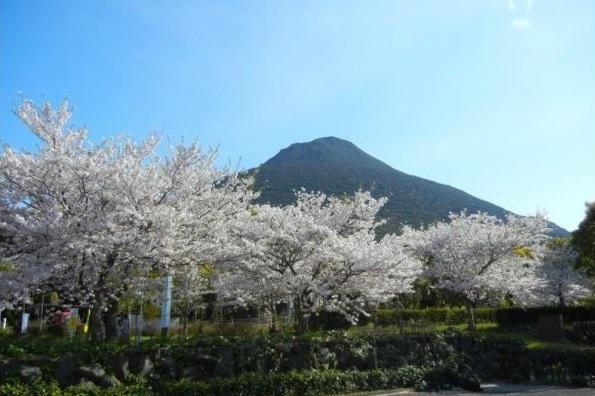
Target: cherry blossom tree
<point>475,254</point>
<point>319,253</point>
<point>14,288</point>
<point>191,284</point>
<point>90,219</point>
<point>557,281</point>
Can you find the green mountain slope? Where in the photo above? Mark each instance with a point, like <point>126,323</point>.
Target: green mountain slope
<point>337,167</point>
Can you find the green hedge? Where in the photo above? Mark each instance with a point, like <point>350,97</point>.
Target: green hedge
<point>52,389</point>
<point>505,317</point>
<point>388,317</point>
<point>523,317</point>
<point>304,383</point>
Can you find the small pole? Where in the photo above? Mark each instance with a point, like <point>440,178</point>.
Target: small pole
<point>139,326</point>
<point>41,314</point>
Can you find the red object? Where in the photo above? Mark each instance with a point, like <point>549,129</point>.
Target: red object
<point>60,317</point>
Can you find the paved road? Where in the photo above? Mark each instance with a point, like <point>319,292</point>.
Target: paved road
<point>500,389</point>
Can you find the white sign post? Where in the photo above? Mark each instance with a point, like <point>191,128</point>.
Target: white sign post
<point>166,304</point>
<point>24,323</point>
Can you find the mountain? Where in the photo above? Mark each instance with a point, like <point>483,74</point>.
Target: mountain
<point>336,166</point>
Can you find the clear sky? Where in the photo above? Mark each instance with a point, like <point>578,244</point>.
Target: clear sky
<point>494,97</point>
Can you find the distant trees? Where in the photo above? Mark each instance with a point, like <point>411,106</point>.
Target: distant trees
<point>583,240</point>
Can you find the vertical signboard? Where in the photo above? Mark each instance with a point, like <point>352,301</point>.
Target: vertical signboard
<point>24,323</point>
<point>166,304</point>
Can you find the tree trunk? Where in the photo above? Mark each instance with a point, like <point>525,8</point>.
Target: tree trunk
<point>104,327</point>
<point>124,333</point>
<point>274,326</point>
<point>302,320</point>
<point>470,317</point>
<point>303,323</point>
<point>561,300</point>
<point>111,322</point>
<point>97,332</point>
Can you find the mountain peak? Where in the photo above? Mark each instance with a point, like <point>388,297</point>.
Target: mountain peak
<point>336,166</point>
<point>329,139</point>
<point>325,150</point>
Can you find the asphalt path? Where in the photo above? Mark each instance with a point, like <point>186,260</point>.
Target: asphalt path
<point>495,389</point>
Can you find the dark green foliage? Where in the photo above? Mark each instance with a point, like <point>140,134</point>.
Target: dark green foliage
<point>584,240</point>
<point>455,315</point>
<point>338,167</point>
<point>57,346</point>
<point>307,382</point>
<point>582,333</point>
<point>452,375</point>
<point>328,321</point>
<point>303,383</point>
<point>52,389</point>
<point>585,381</point>
<point>333,321</point>
<point>525,317</point>
<point>314,363</point>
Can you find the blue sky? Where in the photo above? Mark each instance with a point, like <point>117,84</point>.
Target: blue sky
<point>494,97</point>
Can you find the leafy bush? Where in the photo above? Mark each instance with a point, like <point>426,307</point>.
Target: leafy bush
<point>306,383</point>
<point>582,333</point>
<point>14,351</point>
<point>526,317</point>
<point>52,389</point>
<point>450,376</point>
<point>329,321</point>
<point>453,315</point>
<point>587,381</point>
<point>57,346</point>
<point>39,388</point>
<point>263,363</point>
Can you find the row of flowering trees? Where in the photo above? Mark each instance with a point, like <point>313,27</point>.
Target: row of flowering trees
<point>94,221</point>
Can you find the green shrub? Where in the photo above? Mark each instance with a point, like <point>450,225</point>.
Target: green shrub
<point>305,383</point>
<point>36,389</point>
<point>14,351</point>
<point>582,333</point>
<point>52,389</point>
<point>453,315</point>
<point>328,321</point>
<point>526,317</point>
